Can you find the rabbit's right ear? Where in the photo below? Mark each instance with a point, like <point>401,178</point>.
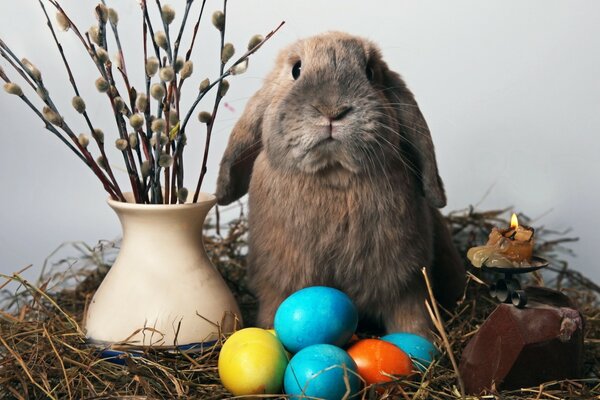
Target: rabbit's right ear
<point>244,145</point>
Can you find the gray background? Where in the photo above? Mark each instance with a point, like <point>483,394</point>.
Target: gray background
<point>510,89</point>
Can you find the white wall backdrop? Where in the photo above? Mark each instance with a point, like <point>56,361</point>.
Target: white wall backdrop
<point>511,91</point>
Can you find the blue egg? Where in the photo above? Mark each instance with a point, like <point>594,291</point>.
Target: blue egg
<point>320,371</point>
<point>421,350</point>
<point>315,315</point>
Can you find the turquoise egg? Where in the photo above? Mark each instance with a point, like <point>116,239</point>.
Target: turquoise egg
<point>321,371</point>
<point>315,315</point>
<point>421,350</point>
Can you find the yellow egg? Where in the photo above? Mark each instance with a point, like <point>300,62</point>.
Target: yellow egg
<point>252,361</point>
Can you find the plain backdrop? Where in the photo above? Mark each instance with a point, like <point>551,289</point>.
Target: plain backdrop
<point>510,89</point>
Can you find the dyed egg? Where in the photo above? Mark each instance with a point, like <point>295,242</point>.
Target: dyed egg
<point>377,359</point>
<point>315,315</point>
<point>321,371</point>
<point>252,361</point>
<point>421,350</point>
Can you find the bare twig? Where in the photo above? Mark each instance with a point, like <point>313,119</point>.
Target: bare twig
<point>434,313</point>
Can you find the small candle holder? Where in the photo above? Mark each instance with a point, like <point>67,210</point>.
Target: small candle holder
<point>508,289</point>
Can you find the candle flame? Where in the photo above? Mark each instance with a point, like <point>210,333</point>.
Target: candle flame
<point>514,221</point>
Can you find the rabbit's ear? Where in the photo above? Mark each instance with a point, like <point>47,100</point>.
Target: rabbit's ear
<point>244,145</point>
<point>416,136</point>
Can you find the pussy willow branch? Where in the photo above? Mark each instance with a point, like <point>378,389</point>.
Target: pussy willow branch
<point>149,181</point>
<point>189,52</point>
<point>17,68</point>
<point>112,93</point>
<point>188,6</point>
<point>166,28</point>
<point>44,95</point>
<point>130,93</point>
<point>119,47</point>
<point>79,150</point>
<point>92,52</point>
<point>85,114</point>
<point>218,97</point>
<point>107,74</point>
<point>48,125</point>
<point>155,181</point>
<point>201,94</point>
<point>180,145</point>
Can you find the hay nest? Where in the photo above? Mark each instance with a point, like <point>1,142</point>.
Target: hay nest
<point>43,352</point>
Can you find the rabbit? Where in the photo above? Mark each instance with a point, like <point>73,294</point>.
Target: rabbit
<point>343,186</point>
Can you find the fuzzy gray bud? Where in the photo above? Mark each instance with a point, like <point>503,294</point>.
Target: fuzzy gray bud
<point>157,91</point>
<point>83,140</point>
<point>204,85</point>
<point>173,117</point>
<point>101,13</point>
<point>98,135</point>
<point>182,195</point>
<point>187,69</point>
<point>102,85</point>
<point>239,68</point>
<point>32,69</point>
<point>227,52</point>
<point>161,40</point>
<point>168,14</point>
<point>224,88</point>
<point>62,21</point>
<point>178,64</point>
<point>78,104</point>
<point>101,161</point>
<point>52,116</point>
<point>152,66</point>
<point>158,125</point>
<point>119,104</point>
<point>121,144</point>
<point>141,102</point>
<point>163,139</point>
<point>146,168</point>
<point>218,20</point>
<point>254,41</point>
<point>204,117</point>
<point>136,121</point>
<point>13,88</point>
<point>166,74</point>
<point>95,35</point>
<point>165,160</point>
<point>133,140</point>
<point>113,16</point>
<point>102,55</point>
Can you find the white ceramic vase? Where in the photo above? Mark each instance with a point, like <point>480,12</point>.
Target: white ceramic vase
<point>162,289</point>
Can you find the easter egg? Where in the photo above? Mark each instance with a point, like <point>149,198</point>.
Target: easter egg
<point>315,315</point>
<point>421,350</point>
<point>252,361</point>
<point>377,359</point>
<point>321,371</point>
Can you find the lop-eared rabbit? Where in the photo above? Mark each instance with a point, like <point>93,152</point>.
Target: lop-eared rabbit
<point>343,186</point>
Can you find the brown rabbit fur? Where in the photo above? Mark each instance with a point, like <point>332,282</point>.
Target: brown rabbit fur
<point>343,186</point>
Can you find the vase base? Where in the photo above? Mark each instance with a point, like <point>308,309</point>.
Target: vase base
<point>117,353</point>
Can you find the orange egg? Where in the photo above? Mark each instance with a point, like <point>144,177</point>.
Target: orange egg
<point>377,359</point>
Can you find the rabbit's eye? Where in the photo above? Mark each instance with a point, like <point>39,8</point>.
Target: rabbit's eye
<point>370,73</point>
<point>296,70</point>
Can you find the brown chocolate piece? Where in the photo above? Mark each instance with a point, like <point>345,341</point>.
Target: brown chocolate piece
<point>517,348</point>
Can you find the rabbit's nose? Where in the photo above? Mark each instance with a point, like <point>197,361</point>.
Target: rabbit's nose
<point>339,113</point>
<point>334,113</point>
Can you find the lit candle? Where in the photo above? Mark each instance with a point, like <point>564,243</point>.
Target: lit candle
<point>511,247</point>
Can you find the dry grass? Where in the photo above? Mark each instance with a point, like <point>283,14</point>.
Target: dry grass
<point>43,352</point>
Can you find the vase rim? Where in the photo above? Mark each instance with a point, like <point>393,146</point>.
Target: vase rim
<point>204,199</point>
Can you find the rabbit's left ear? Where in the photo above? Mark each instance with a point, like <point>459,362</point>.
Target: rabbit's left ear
<point>416,133</point>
